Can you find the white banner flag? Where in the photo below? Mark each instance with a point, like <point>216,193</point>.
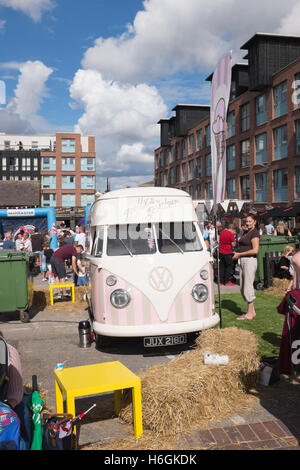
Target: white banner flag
<point>220,93</point>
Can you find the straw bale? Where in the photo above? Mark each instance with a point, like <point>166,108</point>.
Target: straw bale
<point>278,288</point>
<point>185,393</point>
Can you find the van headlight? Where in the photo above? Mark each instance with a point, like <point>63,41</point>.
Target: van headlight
<point>200,293</point>
<point>111,280</point>
<point>204,275</point>
<point>120,298</point>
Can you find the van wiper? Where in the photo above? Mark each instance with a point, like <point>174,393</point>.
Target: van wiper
<point>172,241</point>
<point>126,247</point>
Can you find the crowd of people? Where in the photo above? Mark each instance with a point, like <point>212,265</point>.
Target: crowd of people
<point>240,246</point>
<point>71,245</point>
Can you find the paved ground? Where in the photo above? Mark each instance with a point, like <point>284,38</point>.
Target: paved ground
<point>272,423</point>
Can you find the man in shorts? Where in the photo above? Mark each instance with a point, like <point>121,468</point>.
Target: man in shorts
<point>58,259</point>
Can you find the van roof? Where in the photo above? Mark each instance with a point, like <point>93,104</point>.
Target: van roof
<point>144,192</point>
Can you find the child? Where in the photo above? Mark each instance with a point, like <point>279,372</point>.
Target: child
<point>284,263</point>
<point>295,282</point>
<point>45,260</point>
<point>82,274</point>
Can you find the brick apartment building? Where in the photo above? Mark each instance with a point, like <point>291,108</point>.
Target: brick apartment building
<point>65,165</point>
<point>263,130</point>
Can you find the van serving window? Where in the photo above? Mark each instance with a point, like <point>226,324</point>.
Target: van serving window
<point>177,237</point>
<point>130,240</point>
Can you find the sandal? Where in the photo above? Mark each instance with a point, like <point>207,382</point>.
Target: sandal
<point>244,317</point>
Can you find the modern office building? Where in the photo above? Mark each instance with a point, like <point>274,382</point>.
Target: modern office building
<point>65,165</point>
<point>263,130</point>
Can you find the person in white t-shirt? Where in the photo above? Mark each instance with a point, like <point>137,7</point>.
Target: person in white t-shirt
<point>19,242</point>
<point>27,243</point>
<point>80,237</point>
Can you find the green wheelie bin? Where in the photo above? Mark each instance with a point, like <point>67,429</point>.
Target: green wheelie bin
<point>270,249</point>
<point>16,286</point>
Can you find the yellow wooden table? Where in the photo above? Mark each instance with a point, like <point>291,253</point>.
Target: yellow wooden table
<point>61,285</point>
<point>93,379</point>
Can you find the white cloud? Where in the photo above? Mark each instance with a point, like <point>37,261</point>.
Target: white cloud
<point>170,35</point>
<point>32,8</point>
<point>123,119</point>
<point>21,114</point>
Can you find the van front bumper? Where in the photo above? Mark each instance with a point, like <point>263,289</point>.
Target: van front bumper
<point>160,329</point>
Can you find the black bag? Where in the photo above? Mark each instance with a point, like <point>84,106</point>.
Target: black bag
<point>4,363</point>
<point>51,439</point>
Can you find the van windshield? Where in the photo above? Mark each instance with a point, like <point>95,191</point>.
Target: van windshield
<point>177,237</point>
<point>130,240</point>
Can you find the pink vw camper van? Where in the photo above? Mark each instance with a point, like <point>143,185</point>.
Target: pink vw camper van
<point>151,274</point>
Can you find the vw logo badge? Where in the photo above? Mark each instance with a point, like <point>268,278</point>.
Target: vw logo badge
<point>161,279</point>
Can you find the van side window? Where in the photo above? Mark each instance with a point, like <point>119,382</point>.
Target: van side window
<point>98,243</point>
<point>177,237</point>
<point>130,240</point>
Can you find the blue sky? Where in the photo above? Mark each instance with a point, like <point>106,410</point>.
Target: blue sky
<point>113,68</point>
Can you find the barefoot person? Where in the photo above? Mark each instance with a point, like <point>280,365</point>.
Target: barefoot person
<point>247,253</point>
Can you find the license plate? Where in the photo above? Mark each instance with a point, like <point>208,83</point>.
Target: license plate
<point>156,341</point>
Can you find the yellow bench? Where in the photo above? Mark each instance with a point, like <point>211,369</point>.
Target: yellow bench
<point>93,379</point>
<point>59,285</point>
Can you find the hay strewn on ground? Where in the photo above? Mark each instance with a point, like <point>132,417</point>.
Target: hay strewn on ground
<point>185,393</point>
<point>41,300</point>
<point>278,288</point>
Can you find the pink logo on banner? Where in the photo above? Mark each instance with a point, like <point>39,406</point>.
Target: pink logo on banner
<point>220,93</point>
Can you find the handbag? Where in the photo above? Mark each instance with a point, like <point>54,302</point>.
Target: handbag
<point>51,426</point>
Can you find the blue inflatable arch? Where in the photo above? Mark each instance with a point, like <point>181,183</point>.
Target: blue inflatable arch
<point>48,212</point>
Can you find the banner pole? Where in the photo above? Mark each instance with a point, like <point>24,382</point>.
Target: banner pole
<point>218,271</point>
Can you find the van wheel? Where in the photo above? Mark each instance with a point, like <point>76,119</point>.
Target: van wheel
<point>101,341</point>
<point>24,316</point>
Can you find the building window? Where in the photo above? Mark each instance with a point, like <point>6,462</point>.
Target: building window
<point>261,109</point>
<point>297,125</point>
<point>172,175</point>
<point>88,182</point>
<point>280,99</point>
<point>199,167</point>
<point>49,163</point>
<point>177,150</point>
<point>183,169</point>
<point>296,96</point>
<point>4,163</point>
<point>200,194</point>
<point>261,187</point>
<point>208,164</point>
<point>166,157</point>
<point>245,186</point>
<point>231,124</point>
<point>68,164</point>
<point>177,174</point>
<point>231,194</point>
<point>280,185</point>
<point>88,164</point>
<point>207,136</point>
<point>280,142</point>
<point>199,139</point>
<point>26,164</point>
<point>191,144</point>
<point>48,182</point>
<point>49,200</point>
<point>183,148</point>
<point>245,113</point>
<point>172,154</point>
<point>191,191</point>
<point>209,190</point>
<point>68,182</point>
<point>68,145</point>
<point>34,145</point>
<point>245,155</point>
<point>35,164</point>
<point>87,199</point>
<point>298,183</point>
<point>191,170</point>
<point>68,200</point>
<point>231,158</point>
<point>6,144</point>
<point>166,182</point>
<point>261,148</point>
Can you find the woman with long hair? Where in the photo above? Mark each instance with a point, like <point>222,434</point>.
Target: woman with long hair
<point>247,254</point>
<point>282,230</point>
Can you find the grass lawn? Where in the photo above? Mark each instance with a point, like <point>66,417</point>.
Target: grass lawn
<point>267,324</point>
